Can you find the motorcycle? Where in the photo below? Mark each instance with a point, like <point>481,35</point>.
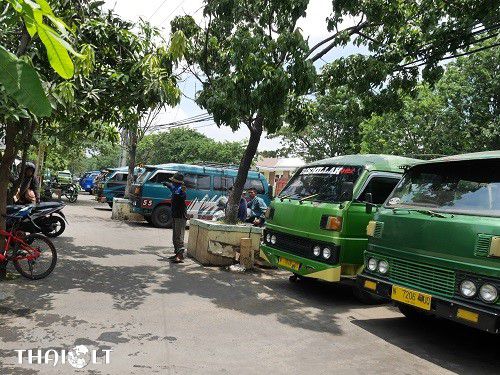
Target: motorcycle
<point>46,217</point>
<point>70,191</point>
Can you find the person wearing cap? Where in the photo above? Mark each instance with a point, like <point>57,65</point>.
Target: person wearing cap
<point>257,208</point>
<point>179,215</point>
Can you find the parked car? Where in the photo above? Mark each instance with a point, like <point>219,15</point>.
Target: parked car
<point>87,181</point>
<point>64,177</point>
<point>434,246</point>
<point>316,226</point>
<point>205,184</point>
<point>114,184</point>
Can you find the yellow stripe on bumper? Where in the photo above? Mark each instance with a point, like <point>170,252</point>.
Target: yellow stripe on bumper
<point>330,274</point>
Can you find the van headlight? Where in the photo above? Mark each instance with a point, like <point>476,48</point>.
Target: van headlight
<point>327,253</point>
<point>268,238</point>
<point>383,266</point>
<point>273,239</point>
<point>468,289</point>
<point>317,250</point>
<point>488,293</point>
<point>372,264</point>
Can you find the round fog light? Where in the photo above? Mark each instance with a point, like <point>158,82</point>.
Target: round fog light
<point>273,239</point>
<point>468,288</point>
<point>268,238</point>
<point>372,264</point>
<point>316,251</point>
<point>488,293</point>
<point>383,266</point>
<point>327,252</point>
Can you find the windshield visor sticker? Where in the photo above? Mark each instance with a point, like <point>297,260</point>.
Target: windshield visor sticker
<point>333,170</point>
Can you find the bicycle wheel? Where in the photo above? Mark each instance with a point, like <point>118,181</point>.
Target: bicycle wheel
<point>43,265</point>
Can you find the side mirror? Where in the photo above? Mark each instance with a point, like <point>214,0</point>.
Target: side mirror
<point>346,191</point>
<point>369,203</point>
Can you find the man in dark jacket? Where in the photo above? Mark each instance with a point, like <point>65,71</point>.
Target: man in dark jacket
<point>179,215</point>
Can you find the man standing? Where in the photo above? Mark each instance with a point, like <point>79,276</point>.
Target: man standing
<point>257,207</point>
<point>179,215</point>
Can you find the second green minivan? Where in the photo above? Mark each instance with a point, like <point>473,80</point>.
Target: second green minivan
<point>316,227</point>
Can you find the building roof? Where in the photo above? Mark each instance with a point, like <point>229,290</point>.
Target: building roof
<point>272,164</point>
<point>370,161</point>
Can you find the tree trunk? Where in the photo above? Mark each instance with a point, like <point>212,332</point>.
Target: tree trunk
<point>245,164</point>
<point>132,151</point>
<point>27,137</point>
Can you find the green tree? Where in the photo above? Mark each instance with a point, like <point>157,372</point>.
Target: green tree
<point>461,113</point>
<point>333,131</point>
<point>33,38</point>
<point>251,61</point>
<point>184,145</point>
<point>406,41</point>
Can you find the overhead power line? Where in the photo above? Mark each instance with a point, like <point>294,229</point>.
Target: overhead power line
<point>157,9</point>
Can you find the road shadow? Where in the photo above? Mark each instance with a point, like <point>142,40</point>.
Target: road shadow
<point>452,346</point>
<point>309,305</point>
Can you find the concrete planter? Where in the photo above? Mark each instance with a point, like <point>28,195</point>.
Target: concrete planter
<point>122,210</point>
<point>216,244</point>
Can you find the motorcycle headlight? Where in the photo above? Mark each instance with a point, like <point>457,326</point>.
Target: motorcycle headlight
<point>383,266</point>
<point>327,253</point>
<point>317,251</point>
<point>372,264</point>
<point>273,239</point>
<point>468,289</point>
<point>488,293</point>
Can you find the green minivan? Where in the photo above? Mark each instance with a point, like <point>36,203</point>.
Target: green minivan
<point>316,227</point>
<point>434,246</point>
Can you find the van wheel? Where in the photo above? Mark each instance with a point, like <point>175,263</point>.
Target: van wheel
<point>413,313</point>
<point>162,217</point>
<point>366,297</point>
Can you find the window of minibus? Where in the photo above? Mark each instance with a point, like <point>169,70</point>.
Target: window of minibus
<point>198,182</point>
<point>223,183</point>
<point>325,182</point>
<point>119,177</point>
<point>460,187</point>
<point>161,177</point>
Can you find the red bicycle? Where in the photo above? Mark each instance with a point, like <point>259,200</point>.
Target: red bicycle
<point>34,256</point>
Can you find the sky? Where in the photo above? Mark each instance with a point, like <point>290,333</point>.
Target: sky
<point>161,12</point>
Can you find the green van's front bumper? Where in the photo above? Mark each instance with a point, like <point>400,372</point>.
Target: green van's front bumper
<point>299,265</point>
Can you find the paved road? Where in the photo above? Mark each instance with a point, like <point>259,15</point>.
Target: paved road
<point>113,289</point>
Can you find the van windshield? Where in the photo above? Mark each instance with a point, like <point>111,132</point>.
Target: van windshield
<point>325,181</point>
<point>143,177</point>
<point>470,187</point>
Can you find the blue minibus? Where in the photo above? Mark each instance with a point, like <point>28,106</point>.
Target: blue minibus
<point>205,183</point>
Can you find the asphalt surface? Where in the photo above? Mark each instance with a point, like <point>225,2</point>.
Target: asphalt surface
<point>114,289</point>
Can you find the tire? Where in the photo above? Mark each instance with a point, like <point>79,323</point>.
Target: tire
<point>23,266</point>
<point>162,217</point>
<point>366,297</point>
<point>55,227</point>
<point>148,219</point>
<point>413,313</point>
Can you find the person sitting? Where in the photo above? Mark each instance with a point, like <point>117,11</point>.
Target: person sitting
<point>257,209</point>
<point>28,191</point>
